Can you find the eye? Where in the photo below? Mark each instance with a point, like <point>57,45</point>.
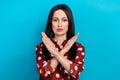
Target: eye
<point>65,20</point>
<point>54,20</point>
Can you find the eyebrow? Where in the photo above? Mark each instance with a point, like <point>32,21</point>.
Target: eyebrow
<point>57,17</point>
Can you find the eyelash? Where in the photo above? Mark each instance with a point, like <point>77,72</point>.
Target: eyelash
<point>65,20</point>
<point>57,20</point>
<point>54,19</point>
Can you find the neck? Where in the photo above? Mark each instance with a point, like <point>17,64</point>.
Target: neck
<point>60,39</point>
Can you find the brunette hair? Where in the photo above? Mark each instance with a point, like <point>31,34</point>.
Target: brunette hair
<point>70,33</point>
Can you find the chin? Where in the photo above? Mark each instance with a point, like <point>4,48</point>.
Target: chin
<point>60,34</point>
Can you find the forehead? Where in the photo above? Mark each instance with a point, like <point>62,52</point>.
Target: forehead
<point>59,13</point>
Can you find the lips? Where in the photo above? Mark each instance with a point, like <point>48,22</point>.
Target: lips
<point>59,29</point>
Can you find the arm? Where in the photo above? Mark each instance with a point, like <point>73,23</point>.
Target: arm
<point>73,67</point>
<point>76,66</point>
<point>51,47</point>
<point>59,56</point>
<point>54,63</point>
<point>43,65</point>
<point>63,61</point>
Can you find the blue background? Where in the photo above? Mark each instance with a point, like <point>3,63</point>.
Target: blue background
<point>21,23</point>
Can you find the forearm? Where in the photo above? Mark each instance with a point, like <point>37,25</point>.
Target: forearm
<point>54,63</point>
<point>60,58</point>
<point>63,61</point>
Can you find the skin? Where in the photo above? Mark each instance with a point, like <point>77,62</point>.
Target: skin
<point>59,20</point>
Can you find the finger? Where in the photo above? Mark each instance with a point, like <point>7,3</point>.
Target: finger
<point>71,41</point>
<point>48,42</point>
<point>56,49</point>
<point>74,38</point>
<point>44,35</point>
<point>44,41</point>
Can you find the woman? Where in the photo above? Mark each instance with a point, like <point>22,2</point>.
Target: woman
<point>59,56</point>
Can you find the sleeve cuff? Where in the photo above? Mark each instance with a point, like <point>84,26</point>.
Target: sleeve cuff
<point>75,69</point>
<point>48,68</point>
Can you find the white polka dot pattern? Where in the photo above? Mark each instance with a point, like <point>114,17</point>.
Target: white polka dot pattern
<point>45,64</point>
<point>40,52</point>
<point>48,72</point>
<point>77,57</point>
<point>76,65</point>
<point>40,71</point>
<point>39,58</point>
<point>76,68</point>
<point>83,60</point>
<point>82,53</point>
<point>80,49</point>
<point>57,75</point>
<point>73,76</point>
<point>38,65</point>
<point>71,71</point>
<point>68,77</point>
<point>79,62</point>
<point>53,70</point>
<point>65,71</point>
<point>83,67</point>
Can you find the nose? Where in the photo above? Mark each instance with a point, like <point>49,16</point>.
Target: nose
<point>59,23</point>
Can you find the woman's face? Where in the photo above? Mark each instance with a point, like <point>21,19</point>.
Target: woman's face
<point>59,23</point>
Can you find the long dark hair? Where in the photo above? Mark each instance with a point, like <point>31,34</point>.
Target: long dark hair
<point>70,33</point>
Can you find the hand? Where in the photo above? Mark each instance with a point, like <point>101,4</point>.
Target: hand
<point>49,44</point>
<point>69,44</point>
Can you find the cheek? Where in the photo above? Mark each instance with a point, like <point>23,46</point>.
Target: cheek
<point>66,27</point>
<point>54,27</point>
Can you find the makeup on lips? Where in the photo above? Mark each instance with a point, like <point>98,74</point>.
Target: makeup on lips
<point>59,29</point>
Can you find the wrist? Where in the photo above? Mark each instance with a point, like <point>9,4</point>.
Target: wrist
<point>62,52</point>
<point>56,54</point>
<point>54,63</point>
<point>53,54</point>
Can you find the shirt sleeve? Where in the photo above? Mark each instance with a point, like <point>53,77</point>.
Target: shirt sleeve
<point>76,66</point>
<point>43,66</point>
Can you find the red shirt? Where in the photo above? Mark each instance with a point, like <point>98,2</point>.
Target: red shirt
<point>46,71</point>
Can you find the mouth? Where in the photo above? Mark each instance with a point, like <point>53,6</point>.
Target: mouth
<point>59,29</point>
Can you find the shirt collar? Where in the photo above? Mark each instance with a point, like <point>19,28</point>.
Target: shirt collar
<point>63,43</point>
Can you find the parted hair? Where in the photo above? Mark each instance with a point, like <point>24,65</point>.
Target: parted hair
<point>70,33</point>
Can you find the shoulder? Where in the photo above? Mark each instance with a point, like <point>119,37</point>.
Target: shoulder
<point>80,46</point>
<point>39,45</point>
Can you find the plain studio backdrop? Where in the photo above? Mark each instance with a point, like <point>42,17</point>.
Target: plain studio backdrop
<point>21,23</point>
